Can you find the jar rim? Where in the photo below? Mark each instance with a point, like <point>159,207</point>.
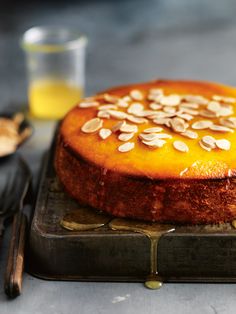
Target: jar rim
<point>38,39</point>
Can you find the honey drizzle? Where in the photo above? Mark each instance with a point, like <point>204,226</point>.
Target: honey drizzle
<point>154,232</point>
<point>84,219</point>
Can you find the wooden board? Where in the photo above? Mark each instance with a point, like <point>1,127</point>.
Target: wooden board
<point>190,253</point>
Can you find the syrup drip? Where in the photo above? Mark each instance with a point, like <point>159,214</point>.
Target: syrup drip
<point>154,232</point>
<point>83,218</point>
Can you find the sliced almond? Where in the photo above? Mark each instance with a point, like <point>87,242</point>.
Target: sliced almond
<point>214,106</point>
<point>155,98</point>
<point>138,120</point>
<point>171,100</point>
<point>196,99</point>
<point>125,136</point>
<point>207,148</point>
<point>178,125</point>
<point>127,98</point>
<point>207,113</point>
<point>224,112</point>
<point>104,133</point>
<point>181,146</point>
<point>153,130</point>
<point>129,128</point>
<point>163,135</point>
<point>136,94</point>
<point>224,99</point>
<point>88,104</point>
<point>185,116</point>
<point>220,128</point>
<point>92,125</point>
<point>126,147</point>
<point>156,91</point>
<point>135,108</point>
<point>156,143</point>
<point>190,134</point>
<point>155,106</point>
<point>189,105</point>
<point>168,109</point>
<point>223,144</point>
<point>122,103</point>
<point>228,122</point>
<point>103,114</point>
<point>161,121</point>
<point>202,124</point>
<point>190,111</point>
<point>107,107</point>
<point>120,115</point>
<point>111,98</point>
<point>209,141</point>
<point>148,136</point>
<point>117,126</point>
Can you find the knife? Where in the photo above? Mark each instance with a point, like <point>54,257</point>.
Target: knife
<point>14,200</point>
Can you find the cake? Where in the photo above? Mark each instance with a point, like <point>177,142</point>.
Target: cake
<point>161,151</point>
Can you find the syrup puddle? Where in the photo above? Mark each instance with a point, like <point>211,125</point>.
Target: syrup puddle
<point>153,231</point>
<point>82,219</point>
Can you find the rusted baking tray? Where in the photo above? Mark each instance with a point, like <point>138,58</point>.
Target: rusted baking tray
<point>189,253</point>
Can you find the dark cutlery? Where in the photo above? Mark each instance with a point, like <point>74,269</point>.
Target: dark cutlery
<point>15,174</point>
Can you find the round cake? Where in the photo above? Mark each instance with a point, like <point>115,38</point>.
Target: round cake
<point>159,151</point>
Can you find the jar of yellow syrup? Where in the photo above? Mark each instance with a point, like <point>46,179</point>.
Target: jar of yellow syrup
<point>55,60</point>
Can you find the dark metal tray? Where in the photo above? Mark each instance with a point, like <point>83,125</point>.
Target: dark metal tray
<point>190,253</point>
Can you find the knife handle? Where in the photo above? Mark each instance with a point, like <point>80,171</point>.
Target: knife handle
<point>15,261</point>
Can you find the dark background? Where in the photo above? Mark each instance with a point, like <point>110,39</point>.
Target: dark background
<point>129,40</point>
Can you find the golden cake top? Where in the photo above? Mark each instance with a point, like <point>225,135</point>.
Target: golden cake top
<point>162,129</point>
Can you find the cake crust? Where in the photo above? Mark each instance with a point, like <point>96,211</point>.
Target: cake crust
<point>206,195</point>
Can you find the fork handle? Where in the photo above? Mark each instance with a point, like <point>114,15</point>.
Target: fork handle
<point>15,261</point>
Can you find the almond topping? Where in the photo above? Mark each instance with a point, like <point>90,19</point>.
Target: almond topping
<point>129,128</point>
<point>117,114</point>
<point>136,94</point>
<point>138,120</point>
<point>190,134</point>
<point>196,99</point>
<point>92,125</point>
<point>153,130</point>
<point>161,121</point>
<point>126,147</point>
<point>107,107</point>
<point>201,125</point>
<point>209,141</point>
<point>214,106</point>
<point>168,109</point>
<point>135,108</point>
<point>190,111</point>
<point>220,128</point>
<point>125,136</point>
<point>110,98</point>
<point>181,146</point>
<point>229,122</point>
<point>156,143</point>
<point>185,116</point>
<point>189,105</point>
<point>207,113</point>
<point>224,112</point>
<point>207,148</point>
<point>148,136</point>
<point>224,99</point>
<point>155,106</point>
<point>223,144</point>
<point>171,100</point>
<point>122,103</point>
<point>88,104</point>
<point>117,126</point>
<point>178,125</point>
<point>104,133</point>
<point>103,114</point>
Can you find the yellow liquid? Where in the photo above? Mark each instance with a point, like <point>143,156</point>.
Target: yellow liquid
<point>52,99</point>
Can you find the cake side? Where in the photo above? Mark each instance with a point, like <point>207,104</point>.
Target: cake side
<point>175,200</point>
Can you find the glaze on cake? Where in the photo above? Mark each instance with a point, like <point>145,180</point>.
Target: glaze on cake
<point>159,151</point>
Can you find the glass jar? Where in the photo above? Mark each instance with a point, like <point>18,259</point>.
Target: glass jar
<point>55,59</point>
